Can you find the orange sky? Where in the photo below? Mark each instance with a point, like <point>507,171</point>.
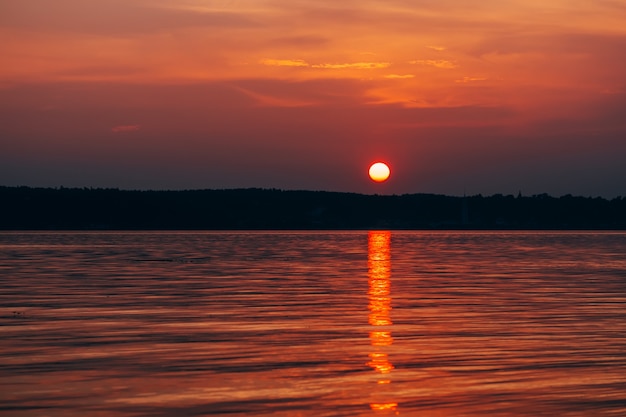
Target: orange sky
<point>476,97</point>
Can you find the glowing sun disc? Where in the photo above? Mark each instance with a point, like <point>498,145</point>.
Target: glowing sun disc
<point>379,172</point>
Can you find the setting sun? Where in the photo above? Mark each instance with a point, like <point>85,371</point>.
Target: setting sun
<point>379,172</point>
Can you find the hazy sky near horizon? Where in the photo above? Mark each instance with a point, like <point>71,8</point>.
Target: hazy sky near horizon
<point>457,96</point>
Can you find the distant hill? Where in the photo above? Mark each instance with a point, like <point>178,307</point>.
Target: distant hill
<point>25,208</point>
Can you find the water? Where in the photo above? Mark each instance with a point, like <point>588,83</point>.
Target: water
<point>313,324</point>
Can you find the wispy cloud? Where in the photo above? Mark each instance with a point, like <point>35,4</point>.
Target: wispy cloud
<point>125,128</point>
<point>353,65</point>
<point>470,79</point>
<point>285,63</point>
<point>302,63</point>
<point>399,76</point>
<point>437,63</point>
<point>268,100</point>
<point>436,48</point>
<point>115,17</point>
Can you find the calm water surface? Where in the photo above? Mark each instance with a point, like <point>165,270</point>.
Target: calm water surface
<point>313,324</point>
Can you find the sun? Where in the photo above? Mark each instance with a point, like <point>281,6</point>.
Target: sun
<point>379,171</point>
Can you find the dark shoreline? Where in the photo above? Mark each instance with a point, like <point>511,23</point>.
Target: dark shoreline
<point>26,208</point>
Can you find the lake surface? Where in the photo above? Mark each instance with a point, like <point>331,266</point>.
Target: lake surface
<point>313,324</point>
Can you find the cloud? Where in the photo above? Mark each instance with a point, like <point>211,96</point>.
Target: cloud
<point>470,79</point>
<point>269,100</point>
<point>100,72</point>
<point>113,17</point>
<point>437,63</point>
<point>285,62</point>
<point>399,77</point>
<point>354,65</point>
<point>302,63</point>
<point>125,128</point>
<point>597,45</point>
<point>301,41</point>
<point>436,48</point>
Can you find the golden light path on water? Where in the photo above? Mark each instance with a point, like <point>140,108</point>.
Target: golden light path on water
<point>379,275</point>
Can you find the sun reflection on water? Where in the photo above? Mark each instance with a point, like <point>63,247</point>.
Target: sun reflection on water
<point>379,292</point>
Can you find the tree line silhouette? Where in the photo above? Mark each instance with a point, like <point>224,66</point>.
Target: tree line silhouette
<point>26,208</point>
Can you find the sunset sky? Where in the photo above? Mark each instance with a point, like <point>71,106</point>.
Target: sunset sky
<point>457,96</point>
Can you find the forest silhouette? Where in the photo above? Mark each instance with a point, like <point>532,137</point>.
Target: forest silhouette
<point>26,208</point>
